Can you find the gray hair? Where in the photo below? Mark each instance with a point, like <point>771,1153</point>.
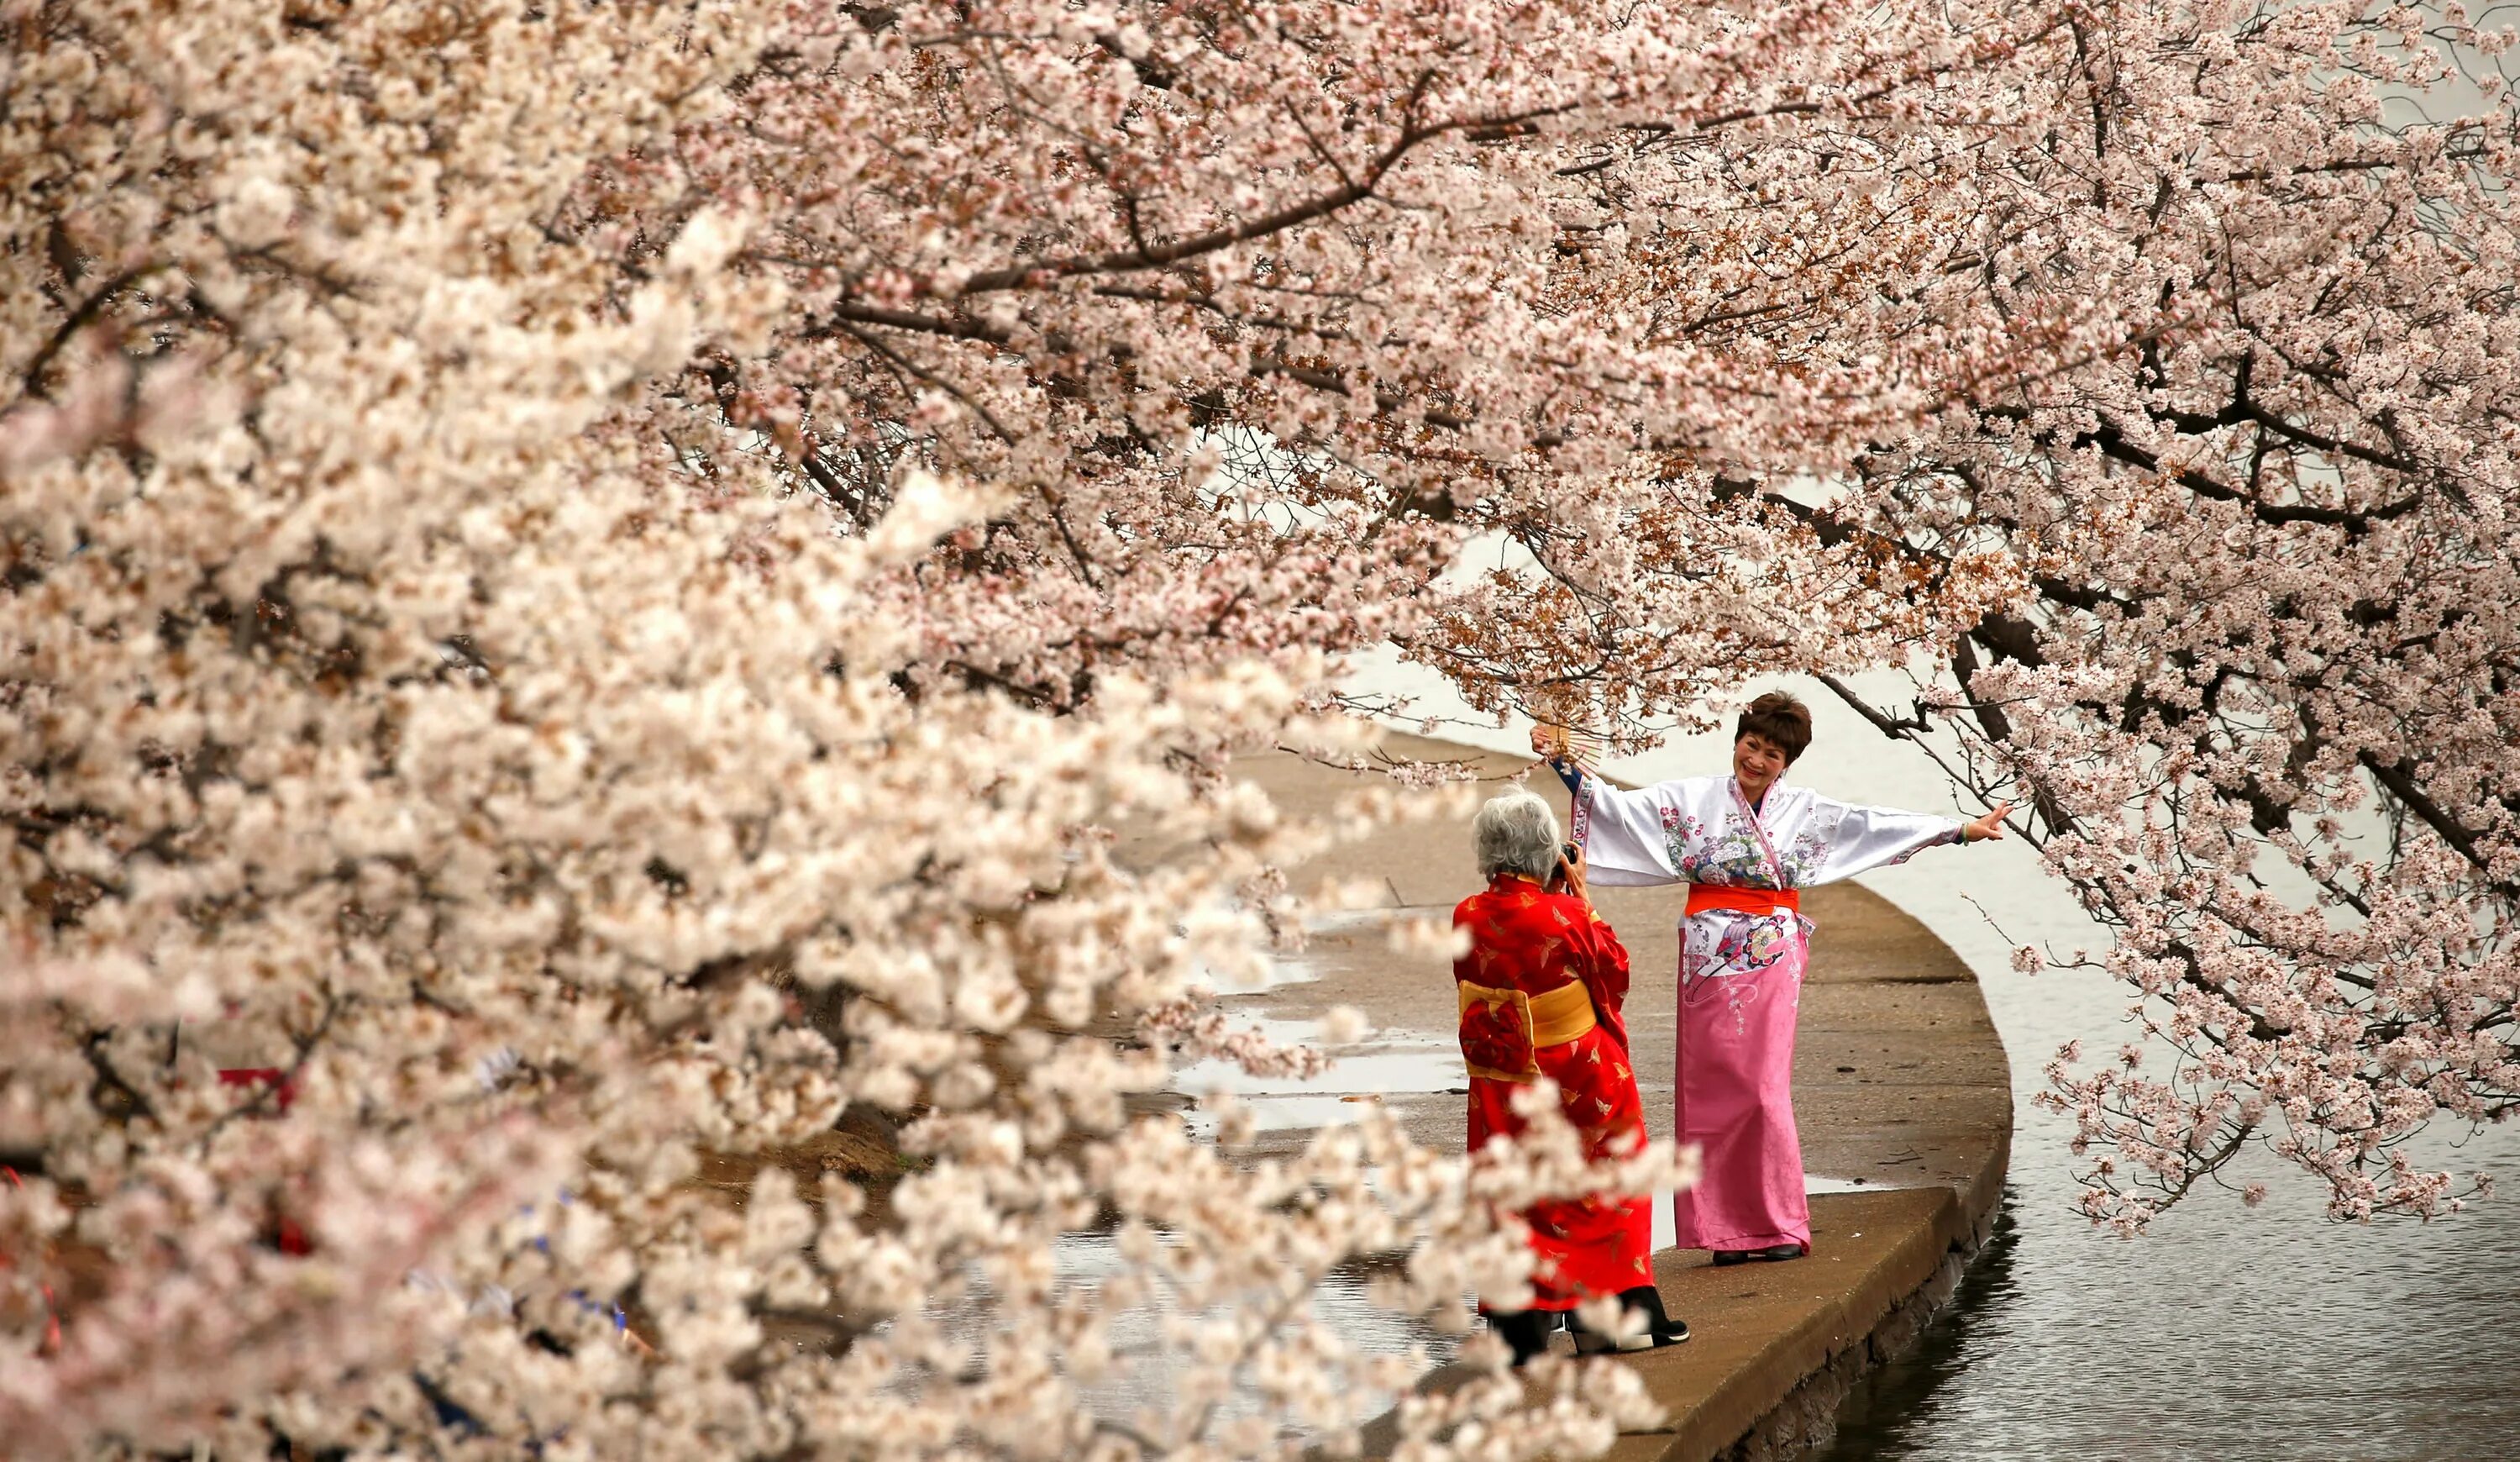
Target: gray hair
<point>1515,833</point>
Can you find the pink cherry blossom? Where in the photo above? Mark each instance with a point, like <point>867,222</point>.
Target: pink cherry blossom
<point>602,588</point>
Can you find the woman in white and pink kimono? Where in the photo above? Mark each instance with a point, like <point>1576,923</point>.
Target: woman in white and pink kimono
<point>1746,844</point>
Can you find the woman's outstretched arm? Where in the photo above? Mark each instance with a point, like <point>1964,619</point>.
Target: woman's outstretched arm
<point>1861,838</point>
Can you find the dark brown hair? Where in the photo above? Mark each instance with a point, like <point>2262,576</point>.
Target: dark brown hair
<point>1781,719</point>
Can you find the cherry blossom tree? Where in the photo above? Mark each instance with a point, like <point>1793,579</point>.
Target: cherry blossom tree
<point>462,797</point>
<point>2221,576</point>
<point>1269,309</point>
<point>2258,677</point>
<point>593,590</point>
<point>2100,327</point>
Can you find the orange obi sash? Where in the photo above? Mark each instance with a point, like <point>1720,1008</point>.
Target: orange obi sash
<point>1504,1030</point>
<point>1704,896</point>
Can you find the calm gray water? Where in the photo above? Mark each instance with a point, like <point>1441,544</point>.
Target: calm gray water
<point>2229,1331</point>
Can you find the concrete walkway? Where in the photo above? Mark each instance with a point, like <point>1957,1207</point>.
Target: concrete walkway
<point>1901,1087</point>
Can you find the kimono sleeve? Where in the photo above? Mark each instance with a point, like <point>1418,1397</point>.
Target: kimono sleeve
<point>1858,838</point>
<point>1601,964</point>
<point>1600,961</point>
<point>1623,842</point>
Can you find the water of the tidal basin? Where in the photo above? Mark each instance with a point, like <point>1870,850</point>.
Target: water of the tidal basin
<point>2229,1331</point>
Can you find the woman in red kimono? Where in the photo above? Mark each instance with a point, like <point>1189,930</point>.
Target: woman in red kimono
<point>1540,988</point>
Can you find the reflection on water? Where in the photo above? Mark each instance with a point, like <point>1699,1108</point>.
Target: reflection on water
<point>2231,1332</point>
<point>1878,1416</point>
<point>1152,1364</point>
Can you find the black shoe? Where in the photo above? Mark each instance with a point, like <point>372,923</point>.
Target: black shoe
<point>1525,1333</point>
<point>1777,1251</point>
<point>1661,1329</point>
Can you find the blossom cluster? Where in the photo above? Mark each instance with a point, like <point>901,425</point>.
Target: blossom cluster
<point>621,627</point>
<point>2254,670</point>
<point>466,801</point>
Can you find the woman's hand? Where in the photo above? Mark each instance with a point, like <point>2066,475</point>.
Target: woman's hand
<point>1991,826</point>
<point>1545,743</point>
<point>1570,875</point>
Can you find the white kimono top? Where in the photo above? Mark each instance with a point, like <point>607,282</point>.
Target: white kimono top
<point>1699,829</point>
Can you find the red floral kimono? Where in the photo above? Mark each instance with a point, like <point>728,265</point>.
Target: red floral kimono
<point>1540,995</point>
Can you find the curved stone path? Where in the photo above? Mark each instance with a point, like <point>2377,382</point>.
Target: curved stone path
<point>1902,1089</point>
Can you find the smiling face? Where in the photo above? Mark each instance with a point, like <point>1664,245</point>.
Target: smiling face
<point>1757,763</point>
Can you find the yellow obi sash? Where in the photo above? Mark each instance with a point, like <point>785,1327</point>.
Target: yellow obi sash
<point>1551,1018</point>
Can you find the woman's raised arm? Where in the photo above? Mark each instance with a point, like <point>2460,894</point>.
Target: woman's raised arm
<point>1625,832</point>
<point>1861,838</point>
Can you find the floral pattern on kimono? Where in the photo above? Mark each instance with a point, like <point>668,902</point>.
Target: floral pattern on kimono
<point>1699,829</point>
<point>1740,971</point>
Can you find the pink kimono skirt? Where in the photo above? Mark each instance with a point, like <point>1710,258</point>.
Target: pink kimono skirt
<point>1733,1096</point>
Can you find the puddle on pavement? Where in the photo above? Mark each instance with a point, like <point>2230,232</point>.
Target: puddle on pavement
<point>1361,1075</point>
<point>1143,1387</point>
<point>1282,971</point>
<point>1148,1380</point>
<point>1340,921</point>
<point>1814,1183</point>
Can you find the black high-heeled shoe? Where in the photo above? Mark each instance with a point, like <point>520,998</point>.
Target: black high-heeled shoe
<point>1527,1333</point>
<point>1773,1253</point>
<point>1661,1329</point>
